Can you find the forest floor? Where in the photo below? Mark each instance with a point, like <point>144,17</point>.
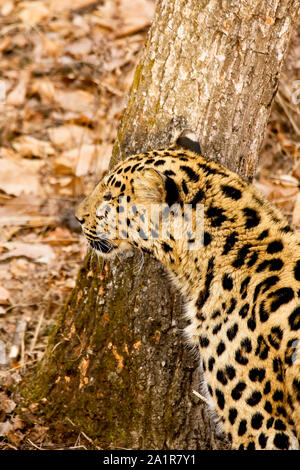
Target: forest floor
<point>66,67</point>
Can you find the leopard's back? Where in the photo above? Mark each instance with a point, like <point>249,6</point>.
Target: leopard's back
<point>242,285</point>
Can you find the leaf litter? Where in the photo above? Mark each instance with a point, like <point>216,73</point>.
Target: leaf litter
<point>66,67</point>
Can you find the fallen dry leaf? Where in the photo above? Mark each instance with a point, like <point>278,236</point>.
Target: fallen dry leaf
<point>275,191</point>
<point>76,161</point>
<point>79,48</point>
<point>52,47</point>
<point>5,43</point>
<point>33,12</point>
<point>7,7</point>
<point>12,425</point>
<point>7,153</point>
<point>17,96</point>
<point>15,437</point>
<point>19,267</point>
<point>7,232</point>
<point>28,146</point>
<point>5,428</point>
<point>70,136</point>
<point>15,178</point>
<point>287,180</point>
<point>60,236</point>
<point>29,221</point>
<point>39,252</point>
<point>137,15</point>
<point>78,101</point>
<point>58,5</point>
<point>83,160</point>
<point>134,15</point>
<point>103,158</point>
<point>6,404</point>
<point>5,274</point>
<point>4,296</point>
<point>45,88</point>
<point>24,210</point>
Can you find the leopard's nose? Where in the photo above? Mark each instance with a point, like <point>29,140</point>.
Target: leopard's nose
<point>81,221</point>
<point>81,212</point>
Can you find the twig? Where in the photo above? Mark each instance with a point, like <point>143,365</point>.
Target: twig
<point>84,435</point>
<point>200,396</point>
<point>36,333</point>
<point>11,446</point>
<point>18,341</point>
<point>287,112</point>
<point>34,445</point>
<point>13,369</point>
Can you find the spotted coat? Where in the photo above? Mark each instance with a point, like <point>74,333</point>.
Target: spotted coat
<point>242,285</point>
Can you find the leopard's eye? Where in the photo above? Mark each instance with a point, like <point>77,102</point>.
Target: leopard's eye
<point>107,197</point>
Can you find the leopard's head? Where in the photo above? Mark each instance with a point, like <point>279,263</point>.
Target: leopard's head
<point>126,208</point>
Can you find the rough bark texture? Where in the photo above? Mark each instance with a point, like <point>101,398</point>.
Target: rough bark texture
<point>211,65</point>
<point>116,365</point>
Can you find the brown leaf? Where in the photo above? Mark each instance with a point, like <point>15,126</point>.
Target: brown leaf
<point>5,43</point>
<point>19,267</point>
<point>28,146</point>
<point>78,101</point>
<point>136,14</point>
<point>60,236</point>
<point>4,296</point>
<point>52,47</point>
<point>15,437</point>
<point>9,426</point>
<point>126,17</point>
<point>276,190</point>
<point>39,252</point>
<point>5,428</point>
<point>17,96</point>
<point>80,48</point>
<point>45,88</point>
<point>70,136</point>
<point>76,161</point>
<point>6,404</point>
<point>59,5</point>
<point>7,7</point>
<point>33,12</point>
<point>17,178</point>
<point>24,210</point>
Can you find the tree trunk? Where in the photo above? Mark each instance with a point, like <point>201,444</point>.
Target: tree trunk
<point>116,365</point>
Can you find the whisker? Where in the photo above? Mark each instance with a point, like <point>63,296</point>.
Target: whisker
<point>141,264</point>
<point>141,261</point>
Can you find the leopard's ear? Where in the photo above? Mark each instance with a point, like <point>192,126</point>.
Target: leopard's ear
<point>152,186</point>
<point>189,141</point>
<point>149,186</point>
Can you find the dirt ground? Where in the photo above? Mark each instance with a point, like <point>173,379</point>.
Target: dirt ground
<point>66,67</point>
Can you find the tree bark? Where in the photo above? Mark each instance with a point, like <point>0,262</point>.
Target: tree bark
<point>116,365</point>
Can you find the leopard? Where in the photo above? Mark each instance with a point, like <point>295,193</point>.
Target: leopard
<point>238,271</point>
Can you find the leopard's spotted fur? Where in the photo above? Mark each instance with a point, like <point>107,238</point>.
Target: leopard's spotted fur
<point>242,286</point>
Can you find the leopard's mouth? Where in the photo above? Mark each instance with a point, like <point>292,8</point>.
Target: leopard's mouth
<point>102,245</point>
